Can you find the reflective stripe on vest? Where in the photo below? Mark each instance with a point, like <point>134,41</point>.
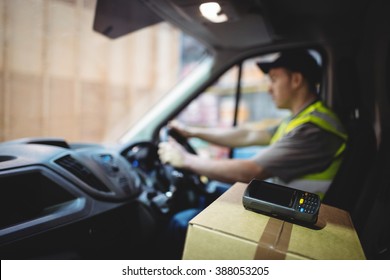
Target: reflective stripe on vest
<point>324,118</point>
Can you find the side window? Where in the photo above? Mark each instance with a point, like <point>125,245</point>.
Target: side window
<point>215,107</point>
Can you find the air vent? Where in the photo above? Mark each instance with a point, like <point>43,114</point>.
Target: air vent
<point>81,172</point>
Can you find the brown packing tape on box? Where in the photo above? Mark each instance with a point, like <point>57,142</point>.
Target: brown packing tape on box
<point>226,230</point>
<point>274,241</point>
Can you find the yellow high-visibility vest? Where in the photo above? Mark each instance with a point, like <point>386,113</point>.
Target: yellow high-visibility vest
<point>318,114</point>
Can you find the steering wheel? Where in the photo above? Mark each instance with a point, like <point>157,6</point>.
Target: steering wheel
<point>181,174</point>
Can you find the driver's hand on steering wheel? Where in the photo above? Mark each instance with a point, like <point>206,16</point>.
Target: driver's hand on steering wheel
<point>180,127</point>
<point>173,153</point>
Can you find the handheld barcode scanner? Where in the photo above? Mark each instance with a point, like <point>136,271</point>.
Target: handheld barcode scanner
<point>280,201</point>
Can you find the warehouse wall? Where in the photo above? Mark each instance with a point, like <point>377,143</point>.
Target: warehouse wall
<point>59,78</point>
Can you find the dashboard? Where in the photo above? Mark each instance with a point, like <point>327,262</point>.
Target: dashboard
<point>78,201</point>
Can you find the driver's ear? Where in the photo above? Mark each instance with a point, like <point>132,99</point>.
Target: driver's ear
<point>296,80</point>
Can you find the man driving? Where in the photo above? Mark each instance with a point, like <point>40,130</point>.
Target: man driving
<point>304,151</point>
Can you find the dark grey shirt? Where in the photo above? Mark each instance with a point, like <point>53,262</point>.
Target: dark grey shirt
<point>305,150</point>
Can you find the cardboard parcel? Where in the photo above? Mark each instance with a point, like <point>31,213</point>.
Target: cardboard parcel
<point>226,230</point>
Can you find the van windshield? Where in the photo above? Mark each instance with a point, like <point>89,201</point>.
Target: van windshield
<point>63,79</point>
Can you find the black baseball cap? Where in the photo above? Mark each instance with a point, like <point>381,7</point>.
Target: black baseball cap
<point>296,61</point>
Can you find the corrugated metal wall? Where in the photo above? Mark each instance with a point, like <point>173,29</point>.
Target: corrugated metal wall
<point>59,78</point>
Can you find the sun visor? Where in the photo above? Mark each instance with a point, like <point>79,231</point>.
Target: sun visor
<point>115,18</point>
